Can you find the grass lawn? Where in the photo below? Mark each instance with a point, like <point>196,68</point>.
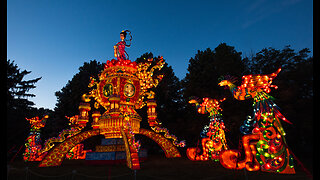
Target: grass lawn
<point>155,167</point>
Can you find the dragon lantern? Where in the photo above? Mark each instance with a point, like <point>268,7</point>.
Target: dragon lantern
<point>213,137</point>
<point>265,146</point>
<point>33,142</point>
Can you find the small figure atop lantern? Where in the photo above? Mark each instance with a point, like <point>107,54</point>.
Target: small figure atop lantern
<point>119,48</point>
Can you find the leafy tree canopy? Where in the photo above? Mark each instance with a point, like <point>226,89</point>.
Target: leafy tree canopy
<point>207,66</point>
<point>18,87</point>
<point>69,97</point>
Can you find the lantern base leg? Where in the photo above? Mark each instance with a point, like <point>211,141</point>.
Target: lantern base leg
<point>131,153</point>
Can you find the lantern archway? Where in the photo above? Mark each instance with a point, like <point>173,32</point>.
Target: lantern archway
<point>58,153</point>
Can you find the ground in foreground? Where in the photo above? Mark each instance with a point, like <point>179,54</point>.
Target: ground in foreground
<point>155,167</point>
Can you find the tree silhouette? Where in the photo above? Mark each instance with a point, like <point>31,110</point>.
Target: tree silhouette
<point>69,97</point>
<point>18,105</point>
<point>17,87</point>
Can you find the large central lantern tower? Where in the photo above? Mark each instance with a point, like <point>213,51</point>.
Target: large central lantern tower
<point>123,86</point>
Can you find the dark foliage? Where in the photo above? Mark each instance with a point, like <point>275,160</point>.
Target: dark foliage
<point>69,97</point>
<point>19,107</point>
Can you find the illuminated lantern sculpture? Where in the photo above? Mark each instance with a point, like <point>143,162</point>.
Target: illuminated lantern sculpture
<point>119,48</point>
<point>77,123</point>
<point>152,114</point>
<point>95,116</point>
<point>77,152</point>
<point>265,146</point>
<point>84,108</point>
<point>213,137</point>
<point>34,150</point>
<point>123,86</point>
<point>33,142</point>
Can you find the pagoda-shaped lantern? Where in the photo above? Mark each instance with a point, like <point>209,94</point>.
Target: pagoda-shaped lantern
<point>114,105</point>
<point>122,87</point>
<point>95,115</point>
<point>84,108</point>
<point>152,114</point>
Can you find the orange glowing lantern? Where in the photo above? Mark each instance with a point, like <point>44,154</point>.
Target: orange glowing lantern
<point>213,137</point>
<point>114,105</point>
<point>265,146</point>
<point>152,114</point>
<point>95,116</point>
<point>84,108</point>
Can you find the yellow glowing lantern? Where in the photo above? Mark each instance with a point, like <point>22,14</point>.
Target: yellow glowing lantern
<point>84,108</point>
<point>152,114</point>
<point>114,105</point>
<point>95,115</point>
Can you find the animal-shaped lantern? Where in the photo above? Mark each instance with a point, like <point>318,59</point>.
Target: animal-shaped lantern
<point>213,137</point>
<point>265,147</point>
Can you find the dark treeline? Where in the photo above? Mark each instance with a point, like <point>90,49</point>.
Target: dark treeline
<point>19,107</point>
<point>294,96</point>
